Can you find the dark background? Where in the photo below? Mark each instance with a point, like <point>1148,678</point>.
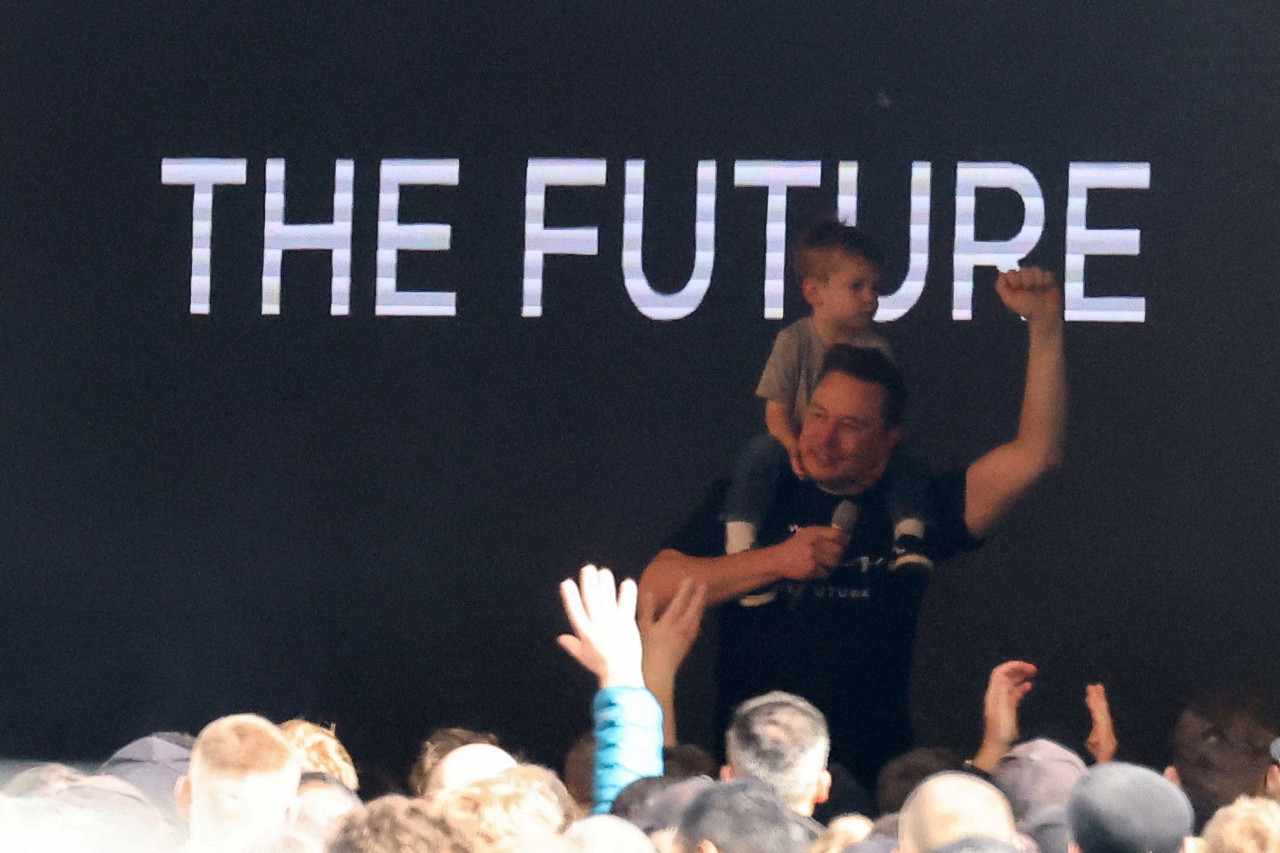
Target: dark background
<point>363,519</point>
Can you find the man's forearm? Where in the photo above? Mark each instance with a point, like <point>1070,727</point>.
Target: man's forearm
<point>1002,477</point>
<point>725,577</point>
<point>1042,425</point>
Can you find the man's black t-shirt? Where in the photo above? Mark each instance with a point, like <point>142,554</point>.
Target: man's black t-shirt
<point>843,643</point>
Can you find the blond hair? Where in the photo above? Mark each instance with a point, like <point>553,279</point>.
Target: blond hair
<point>513,803</point>
<point>321,751</point>
<point>1249,825</point>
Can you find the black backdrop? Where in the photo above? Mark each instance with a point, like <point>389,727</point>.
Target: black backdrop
<point>362,519</point>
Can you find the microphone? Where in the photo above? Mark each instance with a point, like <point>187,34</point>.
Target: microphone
<point>843,519</point>
<point>845,516</point>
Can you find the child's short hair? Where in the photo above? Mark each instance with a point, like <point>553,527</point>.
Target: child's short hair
<point>814,250</point>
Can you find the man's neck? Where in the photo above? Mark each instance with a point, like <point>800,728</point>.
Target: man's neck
<point>853,488</point>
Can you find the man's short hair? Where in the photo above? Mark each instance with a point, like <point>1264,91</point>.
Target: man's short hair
<point>1221,751</point>
<point>1123,808</point>
<point>742,816</point>
<point>813,251</point>
<point>869,364</point>
<point>781,740</point>
<point>395,824</point>
<point>900,776</point>
<point>242,744</point>
<point>1249,825</point>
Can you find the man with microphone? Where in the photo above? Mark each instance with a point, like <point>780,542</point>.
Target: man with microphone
<point>816,608</point>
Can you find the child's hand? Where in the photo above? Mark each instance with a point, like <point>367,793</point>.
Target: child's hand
<point>797,464</point>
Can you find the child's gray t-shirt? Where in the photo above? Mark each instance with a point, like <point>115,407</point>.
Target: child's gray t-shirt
<point>792,370</point>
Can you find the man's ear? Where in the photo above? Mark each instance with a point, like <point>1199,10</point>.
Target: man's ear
<point>1171,773</point>
<point>1072,847</point>
<point>824,787</point>
<point>726,773</point>
<point>182,796</point>
<point>707,847</point>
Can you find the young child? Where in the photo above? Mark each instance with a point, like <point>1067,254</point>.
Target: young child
<point>839,271</point>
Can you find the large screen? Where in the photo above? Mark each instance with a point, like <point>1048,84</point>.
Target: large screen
<point>335,335</point>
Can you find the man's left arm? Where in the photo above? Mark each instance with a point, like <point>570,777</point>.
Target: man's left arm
<point>998,480</point>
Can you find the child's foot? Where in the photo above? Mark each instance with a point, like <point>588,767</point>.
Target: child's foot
<point>908,546</point>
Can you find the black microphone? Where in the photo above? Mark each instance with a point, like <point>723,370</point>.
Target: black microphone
<point>845,516</point>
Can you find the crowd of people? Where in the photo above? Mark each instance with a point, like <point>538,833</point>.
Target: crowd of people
<point>247,785</point>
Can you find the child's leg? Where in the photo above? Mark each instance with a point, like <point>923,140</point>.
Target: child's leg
<point>750,494</point>
<point>911,508</point>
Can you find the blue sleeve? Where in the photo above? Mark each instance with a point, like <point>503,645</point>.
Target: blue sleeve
<point>628,741</point>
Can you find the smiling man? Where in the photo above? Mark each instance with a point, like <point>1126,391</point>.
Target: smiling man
<point>817,610</point>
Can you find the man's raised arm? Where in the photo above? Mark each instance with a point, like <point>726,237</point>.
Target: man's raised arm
<point>809,553</point>
<point>996,481</point>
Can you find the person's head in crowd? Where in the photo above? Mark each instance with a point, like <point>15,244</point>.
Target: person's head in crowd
<point>636,800</point>
<point>781,740</point>
<point>842,832</point>
<point>659,802</point>
<point>608,834</point>
<point>900,775</point>
<point>465,765</point>
<point>41,780</point>
<point>1221,751</point>
<point>513,803</point>
<point>395,824</point>
<point>579,771</point>
<point>687,760</point>
<point>118,815</point>
<point>1249,825</point>
<point>546,782</point>
<point>321,751</point>
<point>153,764</point>
<point>1123,808</point>
<point>741,816</point>
<point>437,746</point>
<point>323,801</point>
<point>839,270</point>
<point>242,784</point>
<point>1037,776</point>
<point>951,806</point>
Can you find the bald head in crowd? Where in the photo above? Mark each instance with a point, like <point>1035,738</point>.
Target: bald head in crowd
<point>950,806</point>
<point>466,765</point>
<point>241,786</point>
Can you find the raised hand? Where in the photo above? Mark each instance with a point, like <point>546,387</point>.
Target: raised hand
<point>1101,743</point>
<point>605,638</point>
<point>1032,293</point>
<point>1009,683</point>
